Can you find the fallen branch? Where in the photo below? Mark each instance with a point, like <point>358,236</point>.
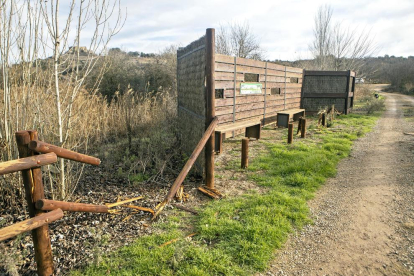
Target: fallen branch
<point>213,193</point>
<point>110,205</point>
<point>174,240</point>
<point>185,208</point>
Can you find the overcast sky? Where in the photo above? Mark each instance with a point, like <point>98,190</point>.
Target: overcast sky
<point>284,27</point>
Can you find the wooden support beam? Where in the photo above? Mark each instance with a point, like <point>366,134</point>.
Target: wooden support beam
<point>290,133</point>
<point>29,224</point>
<point>303,128</point>
<point>210,106</point>
<point>27,163</point>
<point>187,167</point>
<point>33,186</point>
<point>245,153</point>
<point>47,205</point>
<point>43,147</point>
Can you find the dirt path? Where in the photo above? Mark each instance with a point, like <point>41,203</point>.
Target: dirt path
<point>364,217</point>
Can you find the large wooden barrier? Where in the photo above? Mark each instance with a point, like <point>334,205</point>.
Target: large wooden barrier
<point>279,89</point>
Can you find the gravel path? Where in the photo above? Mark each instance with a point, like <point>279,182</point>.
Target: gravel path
<point>364,217</point>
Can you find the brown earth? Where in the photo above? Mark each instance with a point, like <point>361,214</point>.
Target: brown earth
<point>364,217</point>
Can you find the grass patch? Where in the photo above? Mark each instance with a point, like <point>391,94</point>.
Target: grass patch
<point>238,236</point>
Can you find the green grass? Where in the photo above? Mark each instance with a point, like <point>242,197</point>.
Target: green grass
<point>238,236</point>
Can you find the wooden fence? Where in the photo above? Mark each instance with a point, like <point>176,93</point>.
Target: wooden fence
<point>30,163</point>
<point>322,89</point>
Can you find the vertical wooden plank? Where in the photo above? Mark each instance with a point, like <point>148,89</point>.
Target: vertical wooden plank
<point>33,185</point>
<point>210,101</point>
<point>264,104</point>
<point>284,99</point>
<point>234,91</point>
<point>348,76</point>
<point>302,92</point>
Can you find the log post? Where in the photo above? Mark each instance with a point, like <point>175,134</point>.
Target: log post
<point>245,153</point>
<point>33,186</point>
<point>210,105</point>
<point>48,205</point>
<point>27,163</point>
<point>30,224</point>
<point>290,133</point>
<point>303,128</point>
<point>42,147</point>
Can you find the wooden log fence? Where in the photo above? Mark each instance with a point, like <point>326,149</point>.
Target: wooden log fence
<point>29,163</point>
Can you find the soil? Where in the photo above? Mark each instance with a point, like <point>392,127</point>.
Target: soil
<point>364,217</point>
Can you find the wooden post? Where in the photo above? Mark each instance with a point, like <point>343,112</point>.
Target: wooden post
<point>303,128</point>
<point>32,180</point>
<point>245,153</point>
<point>323,119</point>
<point>210,107</point>
<point>290,133</point>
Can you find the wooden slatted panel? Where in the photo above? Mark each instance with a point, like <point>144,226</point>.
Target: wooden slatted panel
<point>252,106</point>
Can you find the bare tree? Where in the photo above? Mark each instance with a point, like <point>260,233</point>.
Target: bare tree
<point>338,47</point>
<point>236,39</point>
<point>96,15</point>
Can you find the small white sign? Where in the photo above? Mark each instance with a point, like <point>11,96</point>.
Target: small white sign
<point>250,88</point>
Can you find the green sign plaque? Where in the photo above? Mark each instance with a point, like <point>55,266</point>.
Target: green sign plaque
<point>250,88</point>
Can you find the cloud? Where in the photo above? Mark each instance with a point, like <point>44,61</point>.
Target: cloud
<point>283,27</point>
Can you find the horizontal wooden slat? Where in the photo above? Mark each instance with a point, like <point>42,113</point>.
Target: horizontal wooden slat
<point>325,95</point>
<point>257,112</point>
<point>228,76</point>
<point>326,73</point>
<point>237,125</point>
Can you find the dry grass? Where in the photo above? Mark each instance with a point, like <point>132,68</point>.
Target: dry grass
<point>93,122</point>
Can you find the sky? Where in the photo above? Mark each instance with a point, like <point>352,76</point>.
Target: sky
<point>284,28</point>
